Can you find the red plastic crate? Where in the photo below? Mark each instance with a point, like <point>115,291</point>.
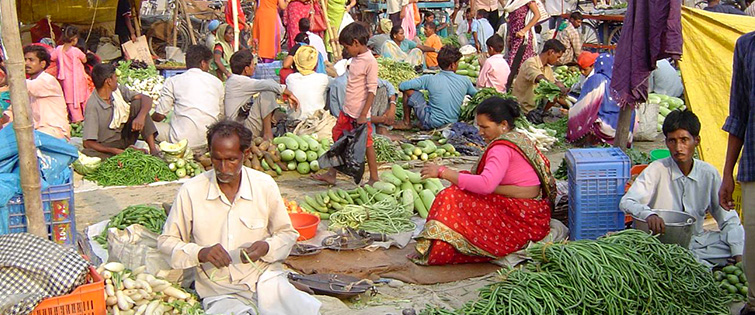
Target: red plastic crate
<point>87,299</point>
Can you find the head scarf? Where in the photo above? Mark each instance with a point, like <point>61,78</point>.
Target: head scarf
<point>220,40</point>
<point>586,59</point>
<point>386,25</point>
<point>306,59</point>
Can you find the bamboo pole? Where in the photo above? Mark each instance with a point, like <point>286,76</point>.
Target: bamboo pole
<point>332,34</point>
<point>27,154</point>
<point>622,128</point>
<point>235,10</point>
<point>174,25</point>
<point>185,9</point>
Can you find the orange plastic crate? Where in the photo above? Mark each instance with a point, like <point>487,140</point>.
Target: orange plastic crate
<point>88,299</point>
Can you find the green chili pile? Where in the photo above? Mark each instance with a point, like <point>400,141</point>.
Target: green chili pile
<point>629,272</point>
<point>131,168</point>
<point>151,218</point>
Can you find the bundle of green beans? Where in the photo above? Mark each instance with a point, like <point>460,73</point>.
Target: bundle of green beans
<point>131,168</point>
<point>629,272</point>
<point>386,216</point>
<point>386,150</point>
<point>150,217</point>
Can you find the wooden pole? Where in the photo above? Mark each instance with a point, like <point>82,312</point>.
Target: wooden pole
<point>185,9</point>
<point>235,10</point>
<point>174,26</point>
<point>27,151</point>
<point>333,34</point>
<point>622,129</point>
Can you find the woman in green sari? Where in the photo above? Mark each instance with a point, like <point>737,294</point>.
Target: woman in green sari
<point>222,51</point>
<point>335,10</point>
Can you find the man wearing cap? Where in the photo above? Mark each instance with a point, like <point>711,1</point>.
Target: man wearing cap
<point>213,29</point>
<point>253,102</point>
<point>307,85</point>
<point>376,41</point>
<point>586,62</point>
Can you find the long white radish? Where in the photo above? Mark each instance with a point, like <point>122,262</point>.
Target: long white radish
<point>107,274</point>
<point>142,276</point>
<point>141,309</point>
<point>127,312</point>
<point>116,311</point>
<point>110,290</point>
<point>111,300</point>
<point>139,270</point>
<point>152,307</point>
<point>144,285</point>
<point>161,287</point>
<point>123,303</point>
<point>176,293</point>
<point>114,267</point>
<point>129,284</point>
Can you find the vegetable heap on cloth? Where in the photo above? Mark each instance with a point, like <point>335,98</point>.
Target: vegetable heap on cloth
<point>140,77</point>
<point>32,269</point>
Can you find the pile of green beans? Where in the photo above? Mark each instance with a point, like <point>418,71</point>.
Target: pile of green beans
<point>385,216</point>
<point>386,150</point>
<point>629,272</point>
<point>151,218</point>
<point>131,168</point>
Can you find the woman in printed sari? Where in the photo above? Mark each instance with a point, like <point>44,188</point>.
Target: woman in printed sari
<point>495,210</point>
<point>222,51</point>
<point>401,49</point>
<point>522,16</point>
<point>593,119</point>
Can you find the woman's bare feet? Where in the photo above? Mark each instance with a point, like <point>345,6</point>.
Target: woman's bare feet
<point>328,177</point>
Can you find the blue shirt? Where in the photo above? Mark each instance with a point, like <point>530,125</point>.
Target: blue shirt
<point>724,8</point>
<point>742,104</point>
<point>447,91</point>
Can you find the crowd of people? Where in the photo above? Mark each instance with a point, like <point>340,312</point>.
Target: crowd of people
<point>490,212</point>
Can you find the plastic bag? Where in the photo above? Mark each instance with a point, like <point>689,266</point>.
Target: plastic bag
<point>136,246</point>
<point>347,154</point>
<point>647,115</point>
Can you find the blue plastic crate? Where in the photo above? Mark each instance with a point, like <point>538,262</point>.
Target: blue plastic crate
<point>58,209</point>
<point>167,73</point>
<point>265,71</point>
<point>597,178</point>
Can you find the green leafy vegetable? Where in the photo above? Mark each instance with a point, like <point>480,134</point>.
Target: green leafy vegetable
<point>546,90</point>
<point>468,111</point>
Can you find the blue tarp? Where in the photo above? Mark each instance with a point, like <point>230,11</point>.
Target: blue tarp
<point>54,156</point>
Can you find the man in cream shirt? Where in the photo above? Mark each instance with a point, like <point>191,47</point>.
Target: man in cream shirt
<point>196,99</point>
<point>230,222</point>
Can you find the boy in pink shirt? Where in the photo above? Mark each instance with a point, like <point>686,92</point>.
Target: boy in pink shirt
<point>360,93</point>
<point>495,72</point>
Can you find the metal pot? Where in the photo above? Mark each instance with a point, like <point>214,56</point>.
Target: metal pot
<point>679,227</point>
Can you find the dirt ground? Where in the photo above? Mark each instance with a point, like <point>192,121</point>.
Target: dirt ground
<point>97,205</point>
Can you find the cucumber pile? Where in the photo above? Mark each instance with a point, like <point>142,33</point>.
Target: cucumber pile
<point>427,150</point>
<point>469,66</point>
<point>668,104</point>
<point>185,168</point>
<point>300,153</point>
<point>732,280</point>
<point>398,184</point>
<point>567,75</point>
<point>180,159</point>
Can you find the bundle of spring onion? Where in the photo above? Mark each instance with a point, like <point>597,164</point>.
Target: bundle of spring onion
<point>544,139</point>
<point>150,217</point>
<point>629,272</point>
<point>138,292</point>
<point>131,168</point>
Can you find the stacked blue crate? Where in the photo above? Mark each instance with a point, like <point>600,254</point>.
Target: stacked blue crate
<point>597,178</point>
<point>58,209</point>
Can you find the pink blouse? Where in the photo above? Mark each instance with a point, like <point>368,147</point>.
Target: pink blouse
<point>503,166</point>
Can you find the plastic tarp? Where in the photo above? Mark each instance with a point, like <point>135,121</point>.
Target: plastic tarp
<point>706,67</point>
<point>78,12</point>
<point>53,155</point>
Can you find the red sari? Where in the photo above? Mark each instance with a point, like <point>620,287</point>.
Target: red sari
<point>465,227</point>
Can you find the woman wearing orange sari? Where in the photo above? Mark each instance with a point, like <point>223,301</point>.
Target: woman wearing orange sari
<point>266,30</point>
<point>498,208</point>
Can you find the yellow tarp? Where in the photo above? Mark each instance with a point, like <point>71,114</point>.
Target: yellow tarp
<point>709,40</point>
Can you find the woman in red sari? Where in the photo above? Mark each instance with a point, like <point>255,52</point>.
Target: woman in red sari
<point>495,210</point>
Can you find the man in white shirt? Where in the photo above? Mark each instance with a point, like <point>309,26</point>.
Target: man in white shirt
<point>309,87</point>
<point>253,102</point>
<point>230,225</point>
<point>314,39</point>
<point>195,97</point>
<point>683,183</point>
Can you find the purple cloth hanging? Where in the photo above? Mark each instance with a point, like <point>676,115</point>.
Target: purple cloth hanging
<point>652,30</point>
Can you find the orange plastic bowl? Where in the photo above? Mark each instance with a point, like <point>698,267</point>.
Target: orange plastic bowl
<point>306,224</point>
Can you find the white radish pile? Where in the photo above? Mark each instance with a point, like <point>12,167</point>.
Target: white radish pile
<point>135,292</point>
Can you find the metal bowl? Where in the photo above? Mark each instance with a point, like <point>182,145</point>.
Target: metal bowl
<point>679,226</point>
